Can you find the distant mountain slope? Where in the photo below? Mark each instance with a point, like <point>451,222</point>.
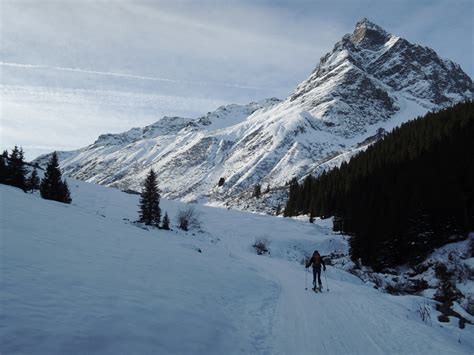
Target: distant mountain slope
<point>370,82</point>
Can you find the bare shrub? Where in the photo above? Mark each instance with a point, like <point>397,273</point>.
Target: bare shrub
<point>261,245</point>
<point>188,218</point>
<point>424,312</point>
<point>393,289</point>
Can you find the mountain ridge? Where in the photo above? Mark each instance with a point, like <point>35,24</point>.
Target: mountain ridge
<point>371,81</point>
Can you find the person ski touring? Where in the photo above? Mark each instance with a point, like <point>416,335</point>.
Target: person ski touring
<point>316,261</point>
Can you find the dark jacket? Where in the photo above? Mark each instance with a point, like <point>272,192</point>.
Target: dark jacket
<point>316,261</point>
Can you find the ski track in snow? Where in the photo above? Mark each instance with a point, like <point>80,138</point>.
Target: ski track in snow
<point>81,279</point>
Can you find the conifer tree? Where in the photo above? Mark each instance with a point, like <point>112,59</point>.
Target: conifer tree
<point>16,169</point>
<point>33,181</point>
<point>166,222</point>
<point>3,167</point>
<point>52,187</point>
<point>150,212</point>
<point>257,191</point>
<point>291,204</point>
<point>64,192</point>
<point>221,182</point>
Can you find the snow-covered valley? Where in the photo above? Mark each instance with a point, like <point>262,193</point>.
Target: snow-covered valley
<point>170,170</point>
<point>83,278</point>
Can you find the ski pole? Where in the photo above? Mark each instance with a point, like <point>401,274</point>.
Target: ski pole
<point>306,282</point>
<point>327,286</point>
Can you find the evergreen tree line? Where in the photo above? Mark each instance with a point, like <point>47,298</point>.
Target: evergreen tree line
<point>408,193</point>
<point>13,171</point>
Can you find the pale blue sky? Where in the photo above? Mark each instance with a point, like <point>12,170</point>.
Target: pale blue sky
<point>181,57</point>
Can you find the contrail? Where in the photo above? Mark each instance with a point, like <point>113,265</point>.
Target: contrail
<point>130,76</point>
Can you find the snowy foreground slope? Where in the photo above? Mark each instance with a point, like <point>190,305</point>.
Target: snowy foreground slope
<point>370,82</point>
<point>82,279</point>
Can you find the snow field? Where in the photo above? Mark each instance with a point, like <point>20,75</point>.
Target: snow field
<point>81,279</point>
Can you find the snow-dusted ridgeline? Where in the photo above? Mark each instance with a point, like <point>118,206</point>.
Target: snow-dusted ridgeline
<point>371,80</point>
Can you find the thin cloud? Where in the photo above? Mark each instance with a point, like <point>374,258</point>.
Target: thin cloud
<point>130,76</point>
<point>129,62</point>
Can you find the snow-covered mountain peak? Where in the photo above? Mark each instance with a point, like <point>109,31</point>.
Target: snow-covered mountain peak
<point>368,33</point>
<point>363,78</point>
<point>369,82</point>
<point>365,23</point>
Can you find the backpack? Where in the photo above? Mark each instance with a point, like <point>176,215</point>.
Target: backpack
<point>316,260</point>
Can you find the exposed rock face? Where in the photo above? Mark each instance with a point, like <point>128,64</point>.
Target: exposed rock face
<point>371,67</point>
<point>369,83</point>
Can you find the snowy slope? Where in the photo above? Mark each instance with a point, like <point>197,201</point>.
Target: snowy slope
<point>371,80</point>
<point>81,279</point>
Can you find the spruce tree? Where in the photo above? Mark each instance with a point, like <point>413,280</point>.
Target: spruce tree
<point>16,169</point>
<point>257,191</point>
<point>33,181</point>
<point>150,212</point>
<point>166,222</point>
<point>64,192</point>
<point>290,208</point>
<point>52,187</point>
<point>3,167</point>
